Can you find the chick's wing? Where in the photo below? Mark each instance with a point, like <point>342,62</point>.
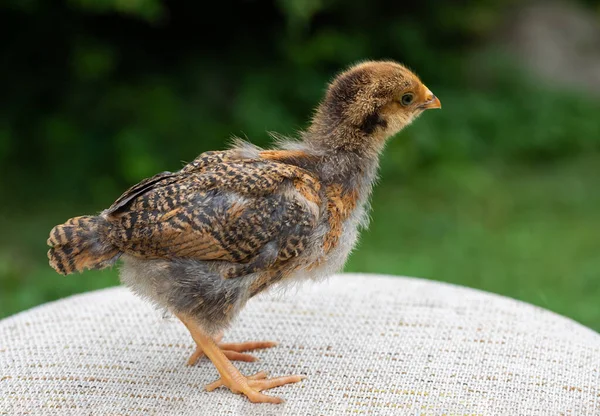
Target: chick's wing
<point>238,211</point>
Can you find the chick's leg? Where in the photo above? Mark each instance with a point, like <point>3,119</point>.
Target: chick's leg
<point>230,376</point>
<point>233,351</point>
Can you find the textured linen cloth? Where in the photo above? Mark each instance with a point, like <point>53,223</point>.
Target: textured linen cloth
<point>369,345</point>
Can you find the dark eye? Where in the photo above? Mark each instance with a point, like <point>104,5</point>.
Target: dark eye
<point>407,99</point>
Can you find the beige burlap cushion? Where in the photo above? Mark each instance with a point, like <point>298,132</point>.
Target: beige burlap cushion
<point>369,345</point>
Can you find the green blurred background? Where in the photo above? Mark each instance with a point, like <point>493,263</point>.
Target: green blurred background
<point>498,191</point>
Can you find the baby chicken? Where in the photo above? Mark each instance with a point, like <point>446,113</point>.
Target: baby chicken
<point>204,240</point>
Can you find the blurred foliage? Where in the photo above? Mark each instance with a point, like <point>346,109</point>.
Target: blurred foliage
<point>98,94</point>
<point>138,94</point>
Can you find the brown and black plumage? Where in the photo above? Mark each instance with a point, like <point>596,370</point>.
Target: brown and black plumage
<point>202,241</point>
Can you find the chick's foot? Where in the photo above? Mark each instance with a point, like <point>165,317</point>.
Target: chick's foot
<point>234,351</point>
<point>252,385</point>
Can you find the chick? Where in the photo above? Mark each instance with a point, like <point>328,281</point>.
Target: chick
<point>204,240</point>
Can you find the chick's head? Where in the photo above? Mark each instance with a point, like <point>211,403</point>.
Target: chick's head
<point>370,102</point>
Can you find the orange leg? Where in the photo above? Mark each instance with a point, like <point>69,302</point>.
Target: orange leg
<point>230,376</point>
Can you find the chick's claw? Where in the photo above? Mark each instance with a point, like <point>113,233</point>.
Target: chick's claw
<point>248,346</point>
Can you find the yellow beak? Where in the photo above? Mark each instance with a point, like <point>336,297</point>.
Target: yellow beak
<point>431,101</point>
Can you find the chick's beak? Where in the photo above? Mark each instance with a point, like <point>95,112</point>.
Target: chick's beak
<point>431,101</point>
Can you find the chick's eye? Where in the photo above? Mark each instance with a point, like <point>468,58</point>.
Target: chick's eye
<point>407,99</point>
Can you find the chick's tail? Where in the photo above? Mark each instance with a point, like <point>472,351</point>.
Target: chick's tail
<point>80,244</point>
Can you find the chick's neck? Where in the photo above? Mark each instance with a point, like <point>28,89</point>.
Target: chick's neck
<point>354,171</point>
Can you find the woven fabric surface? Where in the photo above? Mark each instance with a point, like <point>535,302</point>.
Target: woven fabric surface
<point>369,345</point>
